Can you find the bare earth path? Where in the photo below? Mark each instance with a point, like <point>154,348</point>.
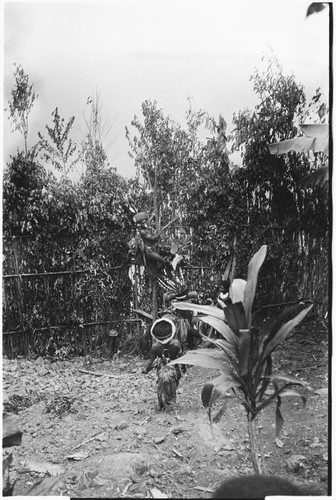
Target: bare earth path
<point>104,434</point>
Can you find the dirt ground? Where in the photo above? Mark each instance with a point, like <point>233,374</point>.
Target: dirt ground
<point>102,432</point>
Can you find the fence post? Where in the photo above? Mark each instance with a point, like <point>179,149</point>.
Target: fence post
<point>18,282</point>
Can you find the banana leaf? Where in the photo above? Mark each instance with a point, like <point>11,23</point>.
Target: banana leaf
<point>317,178</point>
<point>252,277</point>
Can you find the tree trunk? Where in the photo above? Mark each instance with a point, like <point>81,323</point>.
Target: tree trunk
<point>255,444</point>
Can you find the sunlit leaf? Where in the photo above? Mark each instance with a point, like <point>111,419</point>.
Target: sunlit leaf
<point>252,277</point>
<point>285,377</point>
<point>204,358</point>
<point>220,327</point>
<point>237,290</point>
<point>207,310</point>
<point>300,145</point>
<point>292,393</point>
<point>231,350</point>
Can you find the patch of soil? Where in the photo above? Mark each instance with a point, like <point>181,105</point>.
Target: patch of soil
<point>98,426</point>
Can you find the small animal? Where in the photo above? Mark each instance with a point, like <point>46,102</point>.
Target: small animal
<point>256,486</point>
<point>168,378</point>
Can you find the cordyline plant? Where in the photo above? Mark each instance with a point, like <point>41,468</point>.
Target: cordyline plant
<point>245,359</point>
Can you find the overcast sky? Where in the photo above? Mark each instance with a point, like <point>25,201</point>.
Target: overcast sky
<point>168,51</point>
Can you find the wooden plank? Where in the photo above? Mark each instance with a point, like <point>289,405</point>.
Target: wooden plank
<point>143,313</point>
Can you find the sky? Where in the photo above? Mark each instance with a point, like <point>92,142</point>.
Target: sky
<point>170,51</point>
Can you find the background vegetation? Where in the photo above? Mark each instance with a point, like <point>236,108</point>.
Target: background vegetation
<point>65,269</point>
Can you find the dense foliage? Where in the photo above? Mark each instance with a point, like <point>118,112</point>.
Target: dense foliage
<point>53,225</point>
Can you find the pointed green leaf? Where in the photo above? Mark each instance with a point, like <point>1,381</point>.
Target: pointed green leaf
<point>220,412</point>
<point>293,393</point>
<point>231,350</point>
<point>266,378</point>
<point>209,394</point>
<point>229,401</point>
<point>218,386</point>
<point>235,317</point>
<point>204,359</point>
<point>220,327</point>
<point>252,276</point>
<point>207,310</point>
<point>283,318</point>
<point>244,349</point>
<point>286,377</point>
<point>284,331</point>
<point>279,421</point>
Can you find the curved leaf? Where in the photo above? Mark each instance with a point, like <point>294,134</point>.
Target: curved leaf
<point>292,393</point>
<point>317,178</point>
<point>219,385</point>
<point>235,317</point>
<point>204,359</point>
<point>220,327</point>
<point>244,349</point>
<point>228,402</point>
<point>208,310</point>
<point>231,350</point>
<point>286,377</point>
<point>237,290</point>
<point>301,145</point>
<point>279,421</point>
<point>284,331</point>
<point>209,394</point>
<point>266,378</point>
<point>316,7</point>
<point>252,276</point>
<point>281,319</point>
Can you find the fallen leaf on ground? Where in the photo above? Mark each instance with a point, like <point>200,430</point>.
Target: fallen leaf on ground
<point>279,443</point>
<point>78,456</point>
<point>159,439</point>
<point>322,392</point>
<point>157,493</point>
<point>44,467</point>
<point>44,487</point>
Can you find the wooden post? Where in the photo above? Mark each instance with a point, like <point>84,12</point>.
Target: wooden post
<point>18,282</point>
<point>153,277</point>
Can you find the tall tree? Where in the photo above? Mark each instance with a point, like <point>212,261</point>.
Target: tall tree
<point>59,148</point>
<point>21,103</point>
<point>98,137</point>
